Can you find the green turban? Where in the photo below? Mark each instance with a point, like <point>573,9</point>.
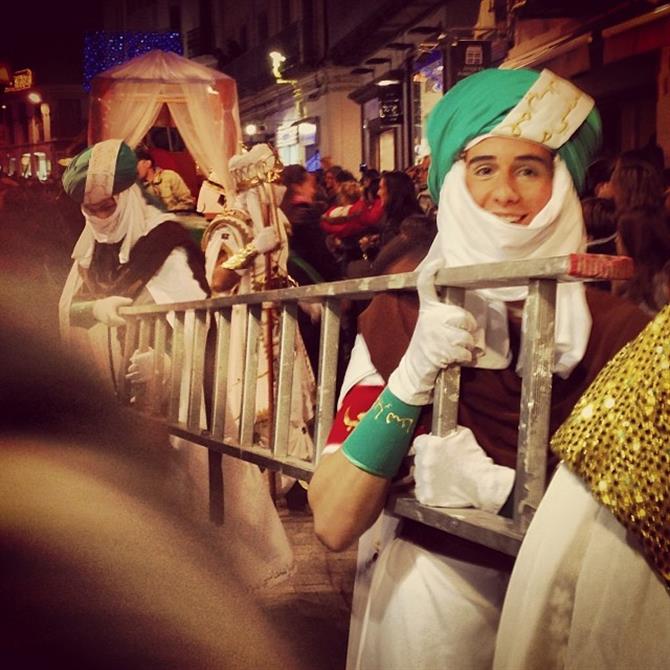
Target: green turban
<point>483,103</point>
<point>122,162</point>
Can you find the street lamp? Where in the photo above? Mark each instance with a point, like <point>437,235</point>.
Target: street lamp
<point>250,129</point>
<point>34,97</point>
<point>278,59</point>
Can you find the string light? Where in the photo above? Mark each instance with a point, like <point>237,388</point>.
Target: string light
<point>104,49</point>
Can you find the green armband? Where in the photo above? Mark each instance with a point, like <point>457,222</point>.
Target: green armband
<point>81,314</point>
<point>381,439</point>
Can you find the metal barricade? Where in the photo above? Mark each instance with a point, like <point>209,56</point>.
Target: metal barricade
<point>185,326</point>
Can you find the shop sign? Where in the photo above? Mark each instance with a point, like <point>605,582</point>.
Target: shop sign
<point>467,57</point>
<point>307,133</point>
<point>23,79</point>
<point>287,136</point>
<point>390,107</point>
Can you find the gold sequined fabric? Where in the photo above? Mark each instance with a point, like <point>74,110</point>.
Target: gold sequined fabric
<point>617,439</point>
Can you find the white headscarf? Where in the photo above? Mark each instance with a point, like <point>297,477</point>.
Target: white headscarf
<point>469,235</point>
<point>134,217</point>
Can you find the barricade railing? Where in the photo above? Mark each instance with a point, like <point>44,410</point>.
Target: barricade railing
<point>198,334</point>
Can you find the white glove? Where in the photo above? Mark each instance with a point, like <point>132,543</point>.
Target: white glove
<point>106,310</point>
<point>454,471</point>
<point>266,240</point>
<point>142,365</point>
<point>442,336</point>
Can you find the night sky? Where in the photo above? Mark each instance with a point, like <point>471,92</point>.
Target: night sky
<point>47,36</point>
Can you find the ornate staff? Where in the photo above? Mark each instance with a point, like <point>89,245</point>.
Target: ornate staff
<point>262,175</point>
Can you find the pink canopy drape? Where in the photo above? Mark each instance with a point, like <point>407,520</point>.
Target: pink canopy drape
<point>127,99</point>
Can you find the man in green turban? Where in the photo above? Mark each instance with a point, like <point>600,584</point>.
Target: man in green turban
<point>509,151</point>
<point>129,250</point>
<point>526,104</point>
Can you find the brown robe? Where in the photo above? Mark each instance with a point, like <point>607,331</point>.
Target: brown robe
<point>490,399</point>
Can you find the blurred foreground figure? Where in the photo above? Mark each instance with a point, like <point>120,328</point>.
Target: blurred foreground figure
<point>590,585</point>
<point>102,567</point>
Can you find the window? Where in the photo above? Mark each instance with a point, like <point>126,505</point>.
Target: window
<point>474,55</point>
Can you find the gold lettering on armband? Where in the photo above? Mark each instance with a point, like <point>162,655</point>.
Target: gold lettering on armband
<point>379,408</point>
<point>350,423</point>
<point>405,423</point>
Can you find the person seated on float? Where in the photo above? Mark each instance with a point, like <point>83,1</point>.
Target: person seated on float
<point>166,185</point>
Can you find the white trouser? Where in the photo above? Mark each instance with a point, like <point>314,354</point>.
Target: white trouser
<point>428,612</point>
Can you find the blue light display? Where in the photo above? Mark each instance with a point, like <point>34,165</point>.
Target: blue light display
<point>104,49</point>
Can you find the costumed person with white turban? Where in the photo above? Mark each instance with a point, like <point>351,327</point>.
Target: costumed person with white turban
<point>131,252</point>
<point>590,589</point>
<point>246,248</point>
<point>509,152</point>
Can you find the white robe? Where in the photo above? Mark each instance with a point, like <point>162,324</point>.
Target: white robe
<point>231,237</point>
<point>259,549</point>
<point>581,597</point>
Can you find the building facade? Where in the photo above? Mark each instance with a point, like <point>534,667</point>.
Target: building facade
<point>299,101</point>
<point>618,52</point>
<point>38,123</point>
<point>354,82</point>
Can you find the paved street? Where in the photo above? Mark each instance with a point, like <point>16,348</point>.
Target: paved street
<point>313,606</point>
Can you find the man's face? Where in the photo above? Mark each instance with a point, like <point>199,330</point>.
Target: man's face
<point>309,187</point>
<point>509,177</point>
<point>329,181</point>
<point>383,192</point>
<point>143,167</point>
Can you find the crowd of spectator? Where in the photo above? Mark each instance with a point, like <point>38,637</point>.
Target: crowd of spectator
<point>345,227</point>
